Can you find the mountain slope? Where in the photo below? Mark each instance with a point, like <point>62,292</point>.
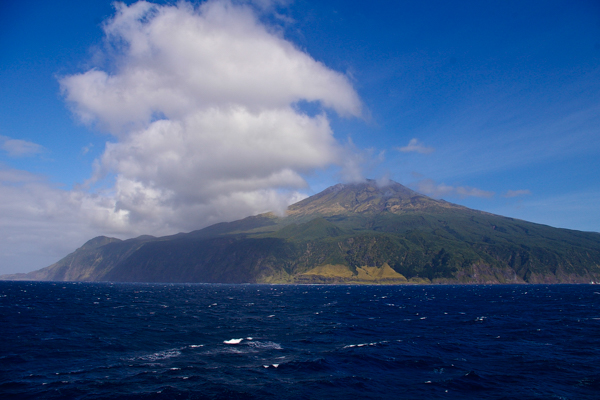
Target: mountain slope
<point>349,233</point>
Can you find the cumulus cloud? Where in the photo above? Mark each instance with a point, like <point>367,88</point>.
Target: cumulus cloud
<point>19,148</point>
<point>202,103</point>
<point>176,60</point>
<point>433,189</point>
<point>415,146</point>
<point>517,193</point>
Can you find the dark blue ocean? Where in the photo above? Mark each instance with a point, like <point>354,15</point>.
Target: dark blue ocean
<point>163,341</point>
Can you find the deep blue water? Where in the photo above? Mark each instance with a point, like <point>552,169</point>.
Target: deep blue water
<point>154,341</point>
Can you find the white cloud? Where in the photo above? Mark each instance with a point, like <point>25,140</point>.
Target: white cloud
<point>517,193</point>
<point>20,148</point>
<point>433,189</point>
<point>415,146</point>
<point>202,104</point>
<point>175,60</point>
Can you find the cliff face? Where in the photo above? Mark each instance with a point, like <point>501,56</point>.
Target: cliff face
<point>349,233</point>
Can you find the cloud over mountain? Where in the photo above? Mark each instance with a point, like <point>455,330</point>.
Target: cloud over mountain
<point>202,103</point>
<point>203,108</point>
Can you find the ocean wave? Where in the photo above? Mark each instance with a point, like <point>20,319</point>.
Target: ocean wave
<point>158,356</point>
<point>365,344</point>
<point>265,345</point>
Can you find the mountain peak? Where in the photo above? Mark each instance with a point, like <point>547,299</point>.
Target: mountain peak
<point>349,233</point>
<point>365,197</point>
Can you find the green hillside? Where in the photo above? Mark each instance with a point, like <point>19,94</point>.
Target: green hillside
<point>351,233</point>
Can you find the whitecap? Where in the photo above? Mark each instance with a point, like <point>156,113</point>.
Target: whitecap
<point>364,344</point>
<point>272,365</point>
<point>232,341</point>
<point>161,355</point>
<point>265,345</point>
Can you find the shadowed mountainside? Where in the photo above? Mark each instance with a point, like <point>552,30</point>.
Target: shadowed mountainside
<point>349,233</point>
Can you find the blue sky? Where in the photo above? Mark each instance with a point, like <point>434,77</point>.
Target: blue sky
<point>493,105</point>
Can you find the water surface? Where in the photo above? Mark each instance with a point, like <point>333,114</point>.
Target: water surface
<point>201,341</point>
